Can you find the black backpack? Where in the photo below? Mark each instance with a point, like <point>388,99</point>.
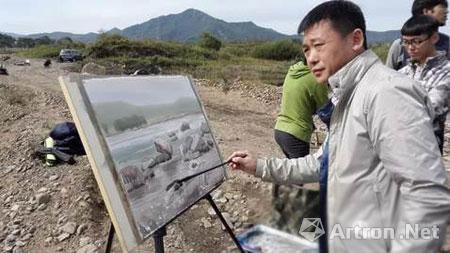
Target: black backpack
<point>67,139</point>
<point>67,143</point>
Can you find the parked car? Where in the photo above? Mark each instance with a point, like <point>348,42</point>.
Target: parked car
<point>70,55</point>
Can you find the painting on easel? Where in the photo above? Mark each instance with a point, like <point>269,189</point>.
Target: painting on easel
<point>141,134</point>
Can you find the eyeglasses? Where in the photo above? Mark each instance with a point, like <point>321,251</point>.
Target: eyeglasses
<point>414,42</point>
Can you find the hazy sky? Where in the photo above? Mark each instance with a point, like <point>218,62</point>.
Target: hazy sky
<point>138,91</point>
<point>82,16</point>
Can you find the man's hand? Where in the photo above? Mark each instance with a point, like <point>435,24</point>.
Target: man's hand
<point>242,160</point>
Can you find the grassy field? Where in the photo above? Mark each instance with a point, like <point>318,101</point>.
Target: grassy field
<point>264,62</point>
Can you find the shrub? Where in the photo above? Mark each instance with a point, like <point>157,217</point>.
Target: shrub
<point>242,49</point>
<point>381,49</point>
<point>283,50</point>
<point>118,46</point>
<point>210,42</point>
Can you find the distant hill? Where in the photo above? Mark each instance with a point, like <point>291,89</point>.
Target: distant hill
<point>85,38</point>
<point>188,25</point>
<point>387,36</point>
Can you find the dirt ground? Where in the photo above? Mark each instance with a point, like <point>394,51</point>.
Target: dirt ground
<point>31,103</point>
<point>48,209</point>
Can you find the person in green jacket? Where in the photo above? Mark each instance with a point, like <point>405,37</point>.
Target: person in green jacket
<point>302,97</point>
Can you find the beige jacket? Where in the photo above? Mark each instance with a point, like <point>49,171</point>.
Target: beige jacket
<point>385,169</point>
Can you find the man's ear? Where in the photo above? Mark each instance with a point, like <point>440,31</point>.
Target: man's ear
<point>426,11</point>
<point>357,38</point>
<point>434,38</point>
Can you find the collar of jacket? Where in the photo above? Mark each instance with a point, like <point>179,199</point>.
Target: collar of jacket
<point>430,62</point>
<point>351,73</point>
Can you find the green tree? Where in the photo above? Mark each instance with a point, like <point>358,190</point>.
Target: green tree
<point>25,42</point>
<point>65,41</point>
<point>210,42</point>
<point>44,40</point>
<point>6,40</point>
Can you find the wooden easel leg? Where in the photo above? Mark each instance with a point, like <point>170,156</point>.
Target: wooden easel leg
<point>158,238</point>
<point>224,222</point>
<point>110,238</point>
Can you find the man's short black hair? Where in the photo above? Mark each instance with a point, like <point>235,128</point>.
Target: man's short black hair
<point>344,16</point>
<point>419,5</point>
<point>420,25</point>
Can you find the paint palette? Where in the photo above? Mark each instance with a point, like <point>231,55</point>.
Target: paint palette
<point>264,239</point>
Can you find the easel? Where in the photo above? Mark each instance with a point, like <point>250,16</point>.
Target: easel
<point>158,236</point>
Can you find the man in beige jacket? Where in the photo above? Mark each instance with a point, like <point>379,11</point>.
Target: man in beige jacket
<point>380,169</point>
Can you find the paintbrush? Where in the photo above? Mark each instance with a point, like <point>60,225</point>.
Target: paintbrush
<point>179,182</point>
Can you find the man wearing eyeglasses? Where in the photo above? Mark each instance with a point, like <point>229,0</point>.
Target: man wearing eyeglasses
<point>438,9</point>
<point>428,66</point>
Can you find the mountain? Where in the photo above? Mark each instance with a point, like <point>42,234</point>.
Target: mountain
<point>14,35</point>
<point>188,25</point>
<point>85,38</point>
<point>387,36</point>
<point>115,30</point>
